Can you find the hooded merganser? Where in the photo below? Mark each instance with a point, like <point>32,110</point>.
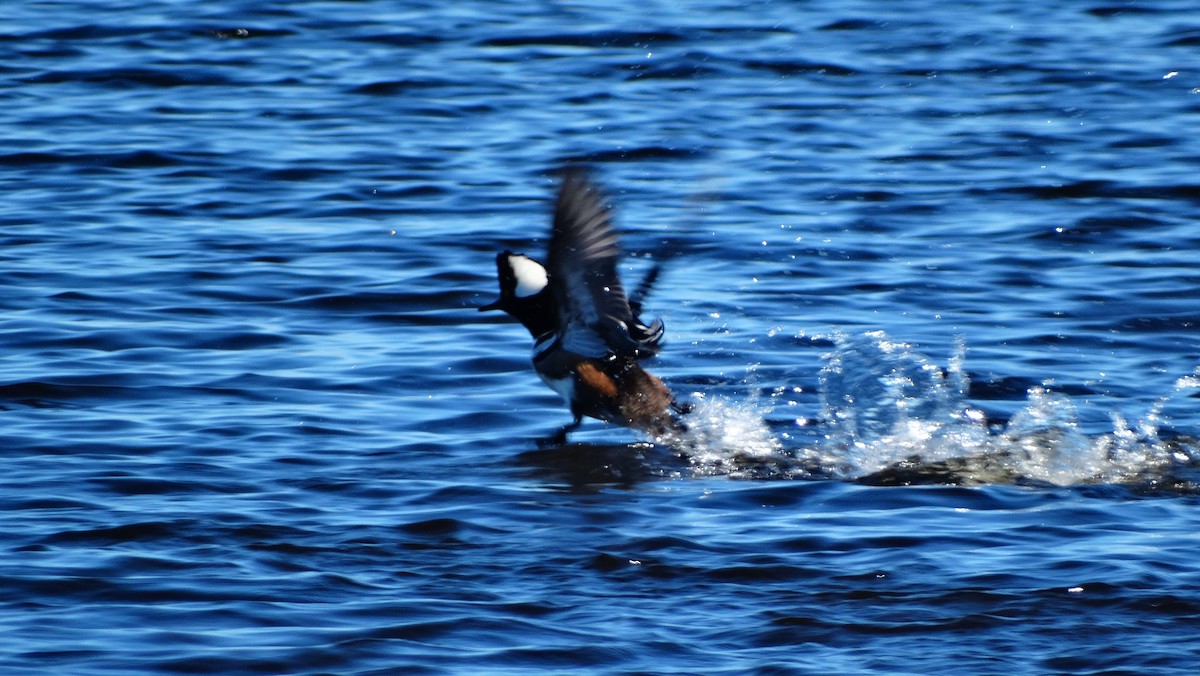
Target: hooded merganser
<point>587,336</point>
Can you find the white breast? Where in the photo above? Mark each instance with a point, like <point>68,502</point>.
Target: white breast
<point>564,386</point>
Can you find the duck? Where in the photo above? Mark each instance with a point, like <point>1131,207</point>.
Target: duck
<point>588,339</point>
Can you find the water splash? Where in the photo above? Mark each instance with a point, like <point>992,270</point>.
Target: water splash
<point>728,438</point>
<point>893,414</point>
<point>1044,441</point>
<point>884,404</point>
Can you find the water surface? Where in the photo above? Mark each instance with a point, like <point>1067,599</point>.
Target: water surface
<point>930,282</point>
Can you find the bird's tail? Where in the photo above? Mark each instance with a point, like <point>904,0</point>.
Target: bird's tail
<point>643,290</point>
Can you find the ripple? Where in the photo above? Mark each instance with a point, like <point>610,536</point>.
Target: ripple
<point>134,77</point>
<point>613,39</point>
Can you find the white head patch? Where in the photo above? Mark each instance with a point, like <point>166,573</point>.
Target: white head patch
<point>530,275</point>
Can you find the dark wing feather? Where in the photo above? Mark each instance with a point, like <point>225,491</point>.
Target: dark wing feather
<point>583,271</point>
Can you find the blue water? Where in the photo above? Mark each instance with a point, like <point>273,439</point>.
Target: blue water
<point>931,284</point>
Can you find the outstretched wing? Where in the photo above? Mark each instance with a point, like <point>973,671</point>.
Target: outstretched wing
<point>583,276</point>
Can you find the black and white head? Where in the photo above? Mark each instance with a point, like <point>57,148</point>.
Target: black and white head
<point>524,293</point>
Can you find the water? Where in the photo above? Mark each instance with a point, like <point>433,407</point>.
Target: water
<point>930,285</point>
